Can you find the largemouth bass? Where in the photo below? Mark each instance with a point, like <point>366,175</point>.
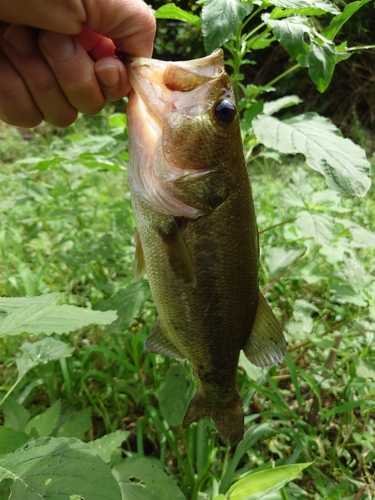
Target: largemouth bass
<point>197,236</point>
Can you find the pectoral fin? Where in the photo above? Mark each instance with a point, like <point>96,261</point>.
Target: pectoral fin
<point>178,253</point>
<point>139,263</point>
<point>266,344</point>
<point>158,343</point>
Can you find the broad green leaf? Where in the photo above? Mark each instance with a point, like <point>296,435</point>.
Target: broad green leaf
<point>252,371</point>
<point>362,238</point>
<point>128,302</point>
<point>316,225</point>
<point>171,11</point>
<point>144,479</point>
<point>15,415</point>
<point>40,352</point>
<point>307,46</point>
<point>76,425</point>
<point>39,315</point>
<point>10,440</point>
<point>338,21</point>
<point>295,5</point>
<point>118,120</point>
<point>278,259</point>
<point>107,444</point>
<point>273,107</point>
<point>56,468</point>
<point>220,20</point>
<point>348,294</point>
<point>342,162</point>
<point>45,422</point>
<point>176,381</point>
<point>258,484</point>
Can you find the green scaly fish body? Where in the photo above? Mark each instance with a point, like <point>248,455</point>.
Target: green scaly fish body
<point>197,235</point>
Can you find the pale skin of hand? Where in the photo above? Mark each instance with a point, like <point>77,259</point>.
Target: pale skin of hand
<point>57,56</point>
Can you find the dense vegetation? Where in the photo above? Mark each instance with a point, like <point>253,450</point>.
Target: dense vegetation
<point>72,372</point>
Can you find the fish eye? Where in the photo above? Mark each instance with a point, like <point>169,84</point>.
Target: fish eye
<point>225,111</point>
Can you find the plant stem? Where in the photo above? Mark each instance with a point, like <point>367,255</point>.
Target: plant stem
<point>282,75</point>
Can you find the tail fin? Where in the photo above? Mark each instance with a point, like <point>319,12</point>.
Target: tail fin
<point>227,418</point>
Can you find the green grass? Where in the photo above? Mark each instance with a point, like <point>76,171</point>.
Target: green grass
<point>66,226</point>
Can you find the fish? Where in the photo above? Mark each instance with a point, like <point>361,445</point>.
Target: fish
<point>196,231</point>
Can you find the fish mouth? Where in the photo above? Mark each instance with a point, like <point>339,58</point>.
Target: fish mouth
<point>159,89</point>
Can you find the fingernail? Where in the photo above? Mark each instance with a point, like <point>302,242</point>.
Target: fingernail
<point>60,47</point>
<point>18,39</point>
<point>108,76</point>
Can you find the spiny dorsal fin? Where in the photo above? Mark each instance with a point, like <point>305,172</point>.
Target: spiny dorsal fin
<point>266,344</point>
<point>158,342</point>
<point>178,253</point>
<point>139,262</point>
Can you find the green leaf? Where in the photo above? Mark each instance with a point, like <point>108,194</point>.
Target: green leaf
<point>273,107</point>
<point>348,294</point>
<point>56,468</point>
<point>307,46</point>
<point>45,422</point>
<point>338,21</point>
<point>128,302</point>
<point>118,120</point>
<point>345,407</point>
<point>107,444</point>
<point>10,440</point>
<point>342,162</point>
<point>171,11</point>
<point>175,393</point>
<point>278,259</point>
<point>221,19</point>
<point>40,352</point>
<point>364,369</point>
<point>144,479</point>
<point>257,484</point>
<point>39,315</point>
<point>362,238</point>
<point>316,225</point>
<point>325,5</point>
<point>76,425</point>
<point>15,415</point>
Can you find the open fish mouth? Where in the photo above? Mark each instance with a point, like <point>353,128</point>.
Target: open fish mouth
<point>166,92</point>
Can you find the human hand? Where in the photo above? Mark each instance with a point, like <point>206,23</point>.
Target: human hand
<point>57,58</point>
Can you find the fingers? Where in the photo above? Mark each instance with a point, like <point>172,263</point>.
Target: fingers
<point>29,90</point>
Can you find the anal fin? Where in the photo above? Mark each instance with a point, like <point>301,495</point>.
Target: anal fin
<point>266,344</point>
<point>158,343</point>
<point>178,253</point>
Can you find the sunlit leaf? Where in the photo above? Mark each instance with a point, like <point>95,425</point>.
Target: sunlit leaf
<point>339,20</point>
<point>278,258</point>
<point>273,107</point>
<point>342,162</point>
<point>316,225</point>
<point>107,444</point>
<point>171,11</point>
<point>295,5</point>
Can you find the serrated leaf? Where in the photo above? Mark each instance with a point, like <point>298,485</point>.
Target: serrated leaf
<point>273,107</point>
<point>296,5</point>
<point>10,440</point>
<point>107,444</point>
<point>258,484</point>
<point>144,479</point>
<point>339,20</point>
<point>40,352</point>
<point>316,225</point>
<point>220,20</point>
<point>171,11</point>
<point>176,382</point>
<point>307,46</point>
<point>342,162</point>
<point>40,316</point>
<point>278,259</point>
<point>361,236</point>
<point>56,468</point>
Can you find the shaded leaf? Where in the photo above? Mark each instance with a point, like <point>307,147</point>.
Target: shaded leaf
<point>339,20</point>
<point>10,440</point>
<point>57,468</point>
<point>342,162</point>
<point>177,381</point>
<point>45,422</point>
<point>76,425</point>
<point>15,415</point>
<point>144,479</point>
<point>220,20</point>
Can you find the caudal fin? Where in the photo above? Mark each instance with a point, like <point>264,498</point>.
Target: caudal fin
<point>227,418</point>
